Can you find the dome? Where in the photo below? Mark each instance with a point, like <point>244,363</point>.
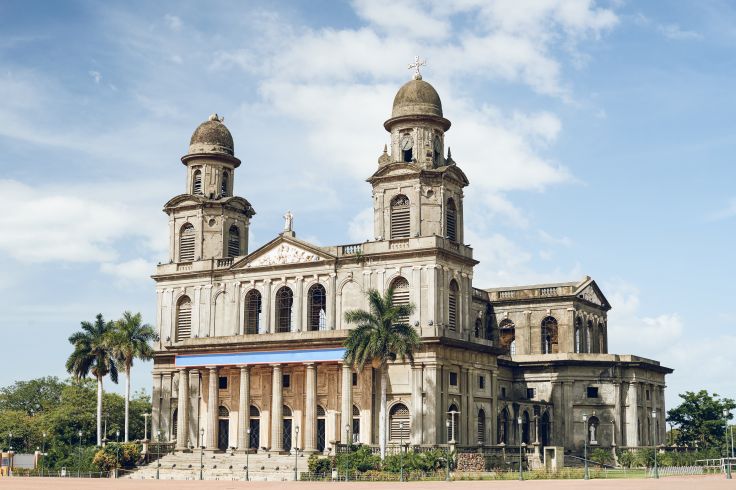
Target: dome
<point>212,136</point>
<point>417,97</point>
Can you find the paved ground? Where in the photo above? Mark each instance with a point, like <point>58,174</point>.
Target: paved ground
<point>670,483</point>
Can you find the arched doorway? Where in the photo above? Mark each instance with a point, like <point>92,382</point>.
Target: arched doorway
<point>287,428</point>
<point>223,428</point>
<point>453,434</point>
<point>356,424</point>
<point>544,427</point>
<point>175,424</point>
<point>255,428</point>
<point>399,423</point>
<point>321,425</point>
<point>481,427</point>
<point>525,428</point>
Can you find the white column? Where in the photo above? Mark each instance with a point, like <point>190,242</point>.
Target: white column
<point>632,415</point>
<point>182,419</point>
<point>331,302</point>
<point>277,410</point>
<point>267,310</point>
<point>244,409</point>
<point>346,406</point>
<point>310,419</point>
<point>417,422</point>
<point>472,412</point>
<point>297,324</point>
<point>212,406</point>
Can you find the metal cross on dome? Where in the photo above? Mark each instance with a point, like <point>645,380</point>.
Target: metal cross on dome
<point>417,63</point>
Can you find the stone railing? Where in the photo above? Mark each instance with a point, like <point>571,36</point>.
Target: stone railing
<point>352,249</point>
<point>507,294</point>
<point>544,292</point>
<point>224,262</point>
<point>184,267</point>
<point>399,244</point>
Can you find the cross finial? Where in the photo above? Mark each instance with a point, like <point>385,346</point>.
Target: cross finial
<point>417,63</point>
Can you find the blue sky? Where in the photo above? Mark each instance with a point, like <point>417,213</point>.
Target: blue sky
<point>597,136</point>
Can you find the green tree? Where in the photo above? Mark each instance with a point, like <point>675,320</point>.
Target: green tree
<point>130,340</point>
<point>93,354</point>
<point>380,337</point>
<point>699,419</point>
<point>34,396</point>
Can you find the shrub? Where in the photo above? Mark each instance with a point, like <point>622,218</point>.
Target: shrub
<point>117,455</point>
<point>360,458</point>
<point>601,456</point>
<point>319,466</point>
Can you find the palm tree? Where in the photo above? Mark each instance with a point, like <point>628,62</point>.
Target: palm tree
<point>380,336</point>
<point>130,341</point>
<point>92,354</point>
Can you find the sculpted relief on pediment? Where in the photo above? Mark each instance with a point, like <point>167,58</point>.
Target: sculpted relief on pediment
<point>284,254</point>
<point>589,294</point>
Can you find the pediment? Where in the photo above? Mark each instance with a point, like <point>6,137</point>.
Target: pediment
<point>591,293</point>
<point>184,200</point>
<point>283,250</point>
<point>396,169</point>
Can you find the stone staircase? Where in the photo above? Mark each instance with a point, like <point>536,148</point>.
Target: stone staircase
<point>223,466</point>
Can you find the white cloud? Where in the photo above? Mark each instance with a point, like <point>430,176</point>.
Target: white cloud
<point>675,32</point>
<point>173,22</point>
<point>96,76</point>
<point>552,240</point>
<point>360,227</point>
<point>135,270</point>
<point>73,224</point>
<point>728,211</point>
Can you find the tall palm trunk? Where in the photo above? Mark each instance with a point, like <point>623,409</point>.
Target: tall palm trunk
<point>127,398</point>
<point>99,411</point>
<point>382,413</point>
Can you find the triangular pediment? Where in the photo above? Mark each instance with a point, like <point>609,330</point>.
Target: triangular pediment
<point>590,292</point>
<point>396,169</point>
<point>283,250</point>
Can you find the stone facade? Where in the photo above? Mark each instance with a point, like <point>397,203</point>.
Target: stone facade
<point>251,342</point>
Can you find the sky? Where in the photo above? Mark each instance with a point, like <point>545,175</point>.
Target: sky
<point>598,138</point>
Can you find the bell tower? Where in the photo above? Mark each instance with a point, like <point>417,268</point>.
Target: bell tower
<point>417,190</point>
<point>207,221</point>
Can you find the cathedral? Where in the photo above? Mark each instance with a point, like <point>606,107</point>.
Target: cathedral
<point>251,341</point>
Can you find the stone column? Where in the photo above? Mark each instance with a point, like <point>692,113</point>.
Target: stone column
<point>182,419</point>
<point>416,295</point>
<point>277,410</point>
<point>212,406</point>
<point>310,409</point>
<point>417,424</point>
<point>472,413</point>
<point>346,405</point>
<point>266,312</point>
<point>434,414</point>
<point>331,302</point>
<point>568,403</point>
<point>616,411</point>
<point>632,415</point>
<point>494,408</point>
<point>297,325</point>
<point>244,409</point>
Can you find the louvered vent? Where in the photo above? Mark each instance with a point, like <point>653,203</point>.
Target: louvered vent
<point>401,295</point>
<point>184,320</point>
<point>399,415</point>
<point>400,217</point>
<point>452,306</point>
<point>186,243</point>
<point>233,242</point>
<point>197,187</point>
<point>451,220</point>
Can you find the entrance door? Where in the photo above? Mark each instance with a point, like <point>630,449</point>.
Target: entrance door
<point>321,435</point>
<point>255,434</point>
<point>223,433</point>
<point>287,434</point>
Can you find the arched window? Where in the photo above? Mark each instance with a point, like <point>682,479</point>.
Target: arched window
<point>578,334</point>
<point>175,423</point>
<point>589,336</point>
<point>481,426</point>
<point>224,188</point>
<point>252,311</point>
<point>451,220</point>
<point>549,335</point>
<point>223,412</point>
<point>452,306</point>
<point>525,428</point>
<point>197,183</point>
<point>544,426</point>
<point>284,303</point>
<point>183,319</point>
<point>317,308</point>
<point>286,411</point>
<point>453,430</point>
<point>399,423</point>
<point>478,328</point>
<point>233,241</point>
<point>507,335</point>
<point>400,222</point>
<point>401,294</point>
<point>186,243</point>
